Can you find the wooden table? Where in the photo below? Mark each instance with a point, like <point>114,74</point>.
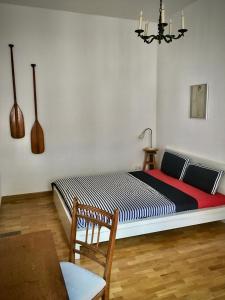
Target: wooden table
<point>29,268</point>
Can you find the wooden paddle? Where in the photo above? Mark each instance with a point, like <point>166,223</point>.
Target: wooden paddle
<point>16,116</point>
<point>37,134</point>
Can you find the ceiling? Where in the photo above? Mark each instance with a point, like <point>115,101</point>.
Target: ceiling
<point>128,9</point>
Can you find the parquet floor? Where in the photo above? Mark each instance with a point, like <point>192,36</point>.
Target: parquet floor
<point>187,264</point>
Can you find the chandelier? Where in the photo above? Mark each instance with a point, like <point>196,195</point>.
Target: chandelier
<point>169,37</point>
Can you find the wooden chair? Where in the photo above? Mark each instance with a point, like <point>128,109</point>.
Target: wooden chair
<point>82,284</point>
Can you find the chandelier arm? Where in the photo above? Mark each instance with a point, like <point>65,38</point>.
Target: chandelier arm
<point>178,36</point>
<point>181,34</point>
<point>139,32</point>
<point>167,38</point>
<point>151,39</point>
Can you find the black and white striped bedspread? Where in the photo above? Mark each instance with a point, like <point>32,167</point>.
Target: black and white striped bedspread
<point>134,198</point>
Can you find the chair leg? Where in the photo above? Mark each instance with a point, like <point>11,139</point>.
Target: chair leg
<point>74,256</point>
<point>77,255</point>
<point>105,296</point>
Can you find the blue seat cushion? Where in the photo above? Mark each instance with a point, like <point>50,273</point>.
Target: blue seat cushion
<point>81,284</point>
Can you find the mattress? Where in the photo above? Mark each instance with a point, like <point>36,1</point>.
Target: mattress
<point>137,195</point>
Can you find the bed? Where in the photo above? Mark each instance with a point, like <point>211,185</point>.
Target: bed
<point>201,207</point>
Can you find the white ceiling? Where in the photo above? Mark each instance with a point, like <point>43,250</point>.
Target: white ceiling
<point>113,8</point>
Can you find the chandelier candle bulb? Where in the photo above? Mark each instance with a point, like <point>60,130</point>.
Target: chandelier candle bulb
<point>141,19</point>
<point>163,14</point>
<point>146,29</point>
<point>170,27</point>
<point>182,19</point>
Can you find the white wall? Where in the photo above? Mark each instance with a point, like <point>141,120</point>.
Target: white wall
<point>96,92</point>
<point>197,58</point>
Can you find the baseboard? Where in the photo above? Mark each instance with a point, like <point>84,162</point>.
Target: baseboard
<point>11,198</point>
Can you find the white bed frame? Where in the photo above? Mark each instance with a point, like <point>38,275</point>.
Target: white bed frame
<point>153,224</point>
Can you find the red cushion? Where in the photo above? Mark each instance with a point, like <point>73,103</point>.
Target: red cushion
<point>204,199</point>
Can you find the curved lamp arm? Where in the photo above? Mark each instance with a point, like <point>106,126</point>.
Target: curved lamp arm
<point>141,136</point>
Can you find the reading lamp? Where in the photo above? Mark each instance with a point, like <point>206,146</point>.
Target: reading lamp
<point>141,136</point>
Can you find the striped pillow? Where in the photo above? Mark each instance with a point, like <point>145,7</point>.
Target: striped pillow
<point>174,164</point>
<point>203,178</point>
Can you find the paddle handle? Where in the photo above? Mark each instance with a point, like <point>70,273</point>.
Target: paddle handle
<point>35,94</point>
<point>13,73</point>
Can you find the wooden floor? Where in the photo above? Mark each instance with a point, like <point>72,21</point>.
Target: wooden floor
<point>184,263</point>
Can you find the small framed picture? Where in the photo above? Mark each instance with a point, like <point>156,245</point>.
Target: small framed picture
<point>198,101</point>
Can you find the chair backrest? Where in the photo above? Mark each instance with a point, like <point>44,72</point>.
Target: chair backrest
<point>92,220</point>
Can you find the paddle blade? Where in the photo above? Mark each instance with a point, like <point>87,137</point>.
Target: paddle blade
<point>37,139</point>
<point>16,122</point>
